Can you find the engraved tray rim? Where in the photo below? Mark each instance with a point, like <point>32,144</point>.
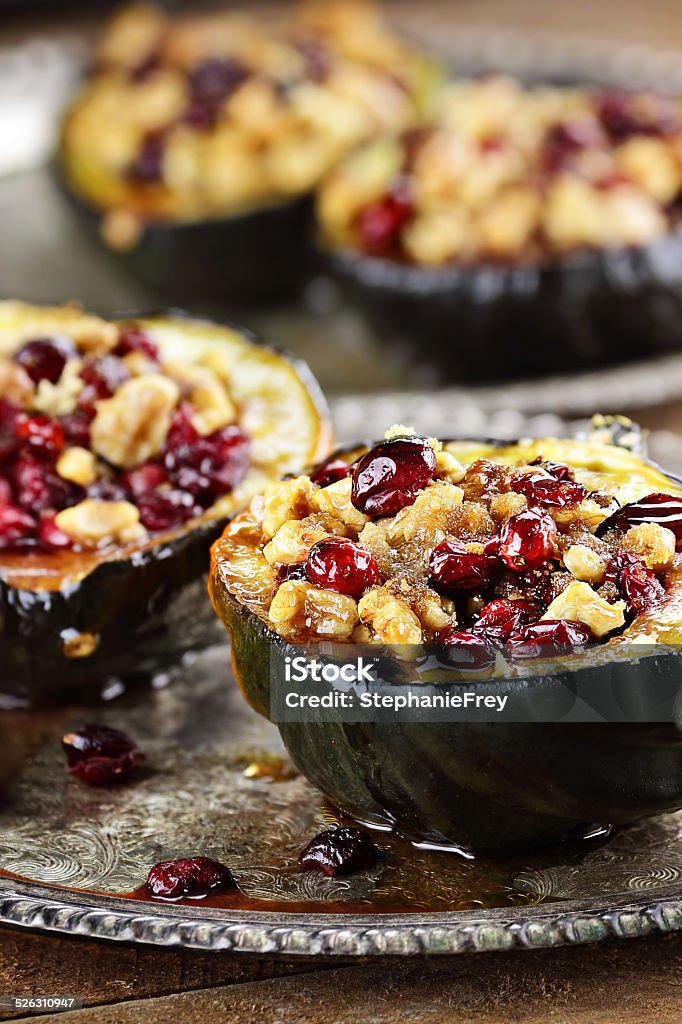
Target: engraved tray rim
<point>114,918</point>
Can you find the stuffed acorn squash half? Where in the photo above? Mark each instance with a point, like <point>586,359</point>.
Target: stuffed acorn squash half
<point>194,145</point>
<point>124,446</point>
<point>520,216</point>
<point>530,551</point>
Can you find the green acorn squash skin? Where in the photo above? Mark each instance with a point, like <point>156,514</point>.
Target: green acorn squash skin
<point>260,256</point>
<point>144,613</point>
<point>480,787</point>
<point>490,322</point>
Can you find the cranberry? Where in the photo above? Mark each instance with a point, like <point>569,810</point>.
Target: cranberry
<point>191,877</point>
<point>637,585</point>
<point>341,565</point>
<point>295,571</point>
<point>5,492</point>
<point>556,469</point>
<point>144,478</point>
<point>210,84</point>
<point>9,442</point>
<point>51,537</point>
<point>102,377</point>
<point>456,570</point>
<point>205,467</point>
<point>161,510</point>
<point>330,472</point>
<point>501,618</point>
<point>38,487</point>
<point>468,652</point>
<point>624,114</point>
<point>147,166</point>
<point>564,140</point>
<point>339,851</point>
<point>664,509</point>
<point>542,488</point>
<point>45,358</point>
<point>106,488</point>
<point>380,224</point>
<point>134,339</point>
<point>556,634</point>
<point>528,540</point>
<point>15,525</point>
<point>45,437</point>
<point>388,477</point>
<point>97,754</point>
<point>76,428</point>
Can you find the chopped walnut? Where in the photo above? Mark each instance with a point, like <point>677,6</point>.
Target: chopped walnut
<point>588,513</point>
<point>470,520</point>
<point>92,335</point>
<point>294,539</point>
<point>15,384</point>
<point>653,543</point>
<point>132,426</point>
<point>207,393</point>
<point>60,399</point>
<point>390,617</point>
<point>504,506</point>
<point>584,564</point>
<point>77,465</point>
<point>285,500</point>
<point>336,500</point>
<point>297,605</point>
<point>579,603</point>
<point>426,518</point>
<point>428,607</point>
<point>95,523</point>
<point>448,468</point>
<point>409,559</point>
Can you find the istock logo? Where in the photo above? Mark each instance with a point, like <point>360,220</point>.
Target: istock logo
<point>301,669</point>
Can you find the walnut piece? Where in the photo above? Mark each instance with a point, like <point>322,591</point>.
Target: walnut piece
<point>653,543</point>
<point>206,392</point>
<point>390,617</point>
<point>297,606</point>
<point>504,506</point>
<point>579,603</point>
<point>15,384</point>
<point>96,523</point>
<point>426,518</point>
<point>285,500</point>
<point>294,539</point>
<point>132,425</point>
<point>336,501</point>
<point>77,465</point>
<point>60,399</point>
<point>584,564</point>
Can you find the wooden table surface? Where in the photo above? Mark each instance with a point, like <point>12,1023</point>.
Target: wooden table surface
<point>633,980</point>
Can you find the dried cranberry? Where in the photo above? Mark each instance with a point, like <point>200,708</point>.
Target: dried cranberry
<point>389,476</point>
<point>76,428</point>
<point>547,638</point>
<point>664,509</point>
<point>626,114</point>
<point>339,851</point>
<point>528,540</point>
<point>45,358</point>
<point>102,377</point>
<point>5,492</point>
<point>330,472</point>
<point>381,223</point>
<point>210,84</point>
<point>556,469</point>
<point>45,437</point>
<point>144,478</point>
<point>468,652</point>
<point>51,537</point>
<point>15,525</point>
<point>161,510</point>
<point>134,339</point>
<point>542,488</point>
<point>191,877</point>
<point>341,565</point>
<point>564,140</point>
<point>456,570</point>
<point>97,754</point>
<point>106,488</point>
<point>501,618</point>
<point>9,442</point>
<point>295,571</point>
<point>205,467</point>
<point>147,166</point>
<point>637,585</point>
<point>38,487</point>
